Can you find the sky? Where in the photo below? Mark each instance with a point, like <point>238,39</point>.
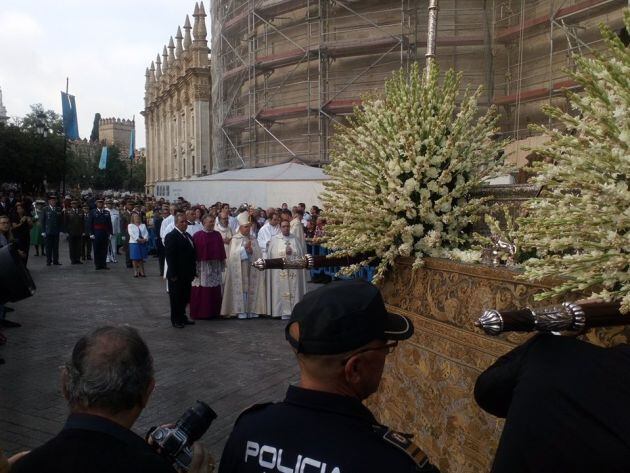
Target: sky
<point>104,48</point>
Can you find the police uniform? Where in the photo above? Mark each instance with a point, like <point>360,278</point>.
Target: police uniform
<point>321,431</point>
<point>100,225</point>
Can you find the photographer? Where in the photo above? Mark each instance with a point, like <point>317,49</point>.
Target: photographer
<point>107,384</point>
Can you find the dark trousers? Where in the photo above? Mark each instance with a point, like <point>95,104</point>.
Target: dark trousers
<point>86,247</point>
<point>179,295</point>
<point>161,253</point>
<point>52,249</point>
<point>101,240</point>
<point>126,250</point>
<point>74,247</point>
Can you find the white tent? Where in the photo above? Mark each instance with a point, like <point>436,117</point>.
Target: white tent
<point>263,187</point>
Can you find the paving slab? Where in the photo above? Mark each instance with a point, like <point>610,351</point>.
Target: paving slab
<point>229,364</point>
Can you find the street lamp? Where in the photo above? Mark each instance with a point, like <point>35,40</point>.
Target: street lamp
<point>40,125</point>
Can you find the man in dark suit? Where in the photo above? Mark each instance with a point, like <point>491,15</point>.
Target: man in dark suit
<point>565,402</point>
<point>52,220</point>
<point>107,383</point>
<point>181,269</point>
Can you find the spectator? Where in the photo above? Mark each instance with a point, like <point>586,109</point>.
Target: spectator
<point>21,229</point>
<point>36,232</point>
<point>107,383</point>
<point>138,237</point>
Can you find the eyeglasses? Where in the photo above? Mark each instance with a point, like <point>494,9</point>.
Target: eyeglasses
<point>389,347</point>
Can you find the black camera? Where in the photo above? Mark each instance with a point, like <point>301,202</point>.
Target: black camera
<point>175,443</point>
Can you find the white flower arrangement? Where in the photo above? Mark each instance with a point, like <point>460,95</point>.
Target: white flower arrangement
<point>403,168</point>
<point>579,226</point>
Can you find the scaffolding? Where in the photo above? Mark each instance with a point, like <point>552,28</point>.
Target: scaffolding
<point>285,71</point>
<point>534,44</point>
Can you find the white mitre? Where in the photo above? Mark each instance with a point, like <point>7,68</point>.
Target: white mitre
<point>243,218</point>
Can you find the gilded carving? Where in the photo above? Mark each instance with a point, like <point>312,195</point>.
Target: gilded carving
<point>428,382</point>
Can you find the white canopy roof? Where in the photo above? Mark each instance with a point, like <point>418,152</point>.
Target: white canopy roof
<point>266,187</point>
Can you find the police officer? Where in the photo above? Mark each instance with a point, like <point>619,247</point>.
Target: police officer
<point>341,335</point>
<point>100,226</point>
<point>52,219</point>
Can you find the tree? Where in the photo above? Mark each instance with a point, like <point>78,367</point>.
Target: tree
<point>53,124</point>
<point>29,159</point>
<point>114,175</point>
<point>95,128</point>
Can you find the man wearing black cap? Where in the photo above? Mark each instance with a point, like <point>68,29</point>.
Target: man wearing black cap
<point>341,335</point>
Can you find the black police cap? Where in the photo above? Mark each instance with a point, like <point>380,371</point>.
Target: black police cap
<point>343,316</point>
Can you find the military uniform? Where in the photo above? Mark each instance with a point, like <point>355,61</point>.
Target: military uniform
<point>86,242</point>
<point>52,220</point>
<point>100,226</point>
<point>318,431</point>
<point>74,222</point>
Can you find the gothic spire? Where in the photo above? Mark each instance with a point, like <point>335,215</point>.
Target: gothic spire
<point>158,67</point>
<point>180,48</point>
<point>165,61</point>
<point>200,31</point>
<point>187,37</point>
<point>171,52</point>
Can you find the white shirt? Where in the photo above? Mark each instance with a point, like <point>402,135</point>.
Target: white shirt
<point>232,223</point>
<point>135,232</point>
<point>167,225</point>
<point>194,228</point>
<point>264,236</point>
<point>115,216</point>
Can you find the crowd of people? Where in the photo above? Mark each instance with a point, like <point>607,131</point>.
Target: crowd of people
<point>564,400</point>
<point>204,251</point>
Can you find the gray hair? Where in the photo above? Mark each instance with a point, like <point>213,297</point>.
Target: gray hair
<point>111,368</point>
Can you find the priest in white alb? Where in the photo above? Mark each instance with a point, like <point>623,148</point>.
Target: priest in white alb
<point>287,285</point>
<point>244,294</point>
<point>267,232</point>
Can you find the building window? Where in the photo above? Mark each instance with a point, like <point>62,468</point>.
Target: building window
<point>193,164</point>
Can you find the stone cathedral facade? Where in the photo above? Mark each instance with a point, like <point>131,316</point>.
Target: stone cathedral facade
<point>177,106</point>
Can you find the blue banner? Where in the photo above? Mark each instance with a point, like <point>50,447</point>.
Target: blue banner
<point>132,144</point>
<point>102,164</point>
<point>69,110</point>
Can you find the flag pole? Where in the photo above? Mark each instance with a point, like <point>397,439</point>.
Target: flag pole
<point>132,152</point>
<point>65,151</point>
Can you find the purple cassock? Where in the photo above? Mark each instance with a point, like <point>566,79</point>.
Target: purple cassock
<point>205,295</point>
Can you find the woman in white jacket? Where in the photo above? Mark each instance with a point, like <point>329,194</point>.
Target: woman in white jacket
<point>138,237</point>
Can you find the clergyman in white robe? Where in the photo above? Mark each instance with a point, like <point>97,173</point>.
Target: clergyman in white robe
<point>244,294</point>
<point>288,286</point>
<point>267,232</point>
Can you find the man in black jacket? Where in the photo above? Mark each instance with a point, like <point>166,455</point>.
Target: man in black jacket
<point>566,405</point>
<point>341,335</point>
<point>181,269</point>
<point>107,383</point>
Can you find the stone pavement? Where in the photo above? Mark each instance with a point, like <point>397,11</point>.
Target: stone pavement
<point>229,364</point>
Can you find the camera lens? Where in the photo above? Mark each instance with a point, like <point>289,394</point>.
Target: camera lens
<point>196,421</point>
